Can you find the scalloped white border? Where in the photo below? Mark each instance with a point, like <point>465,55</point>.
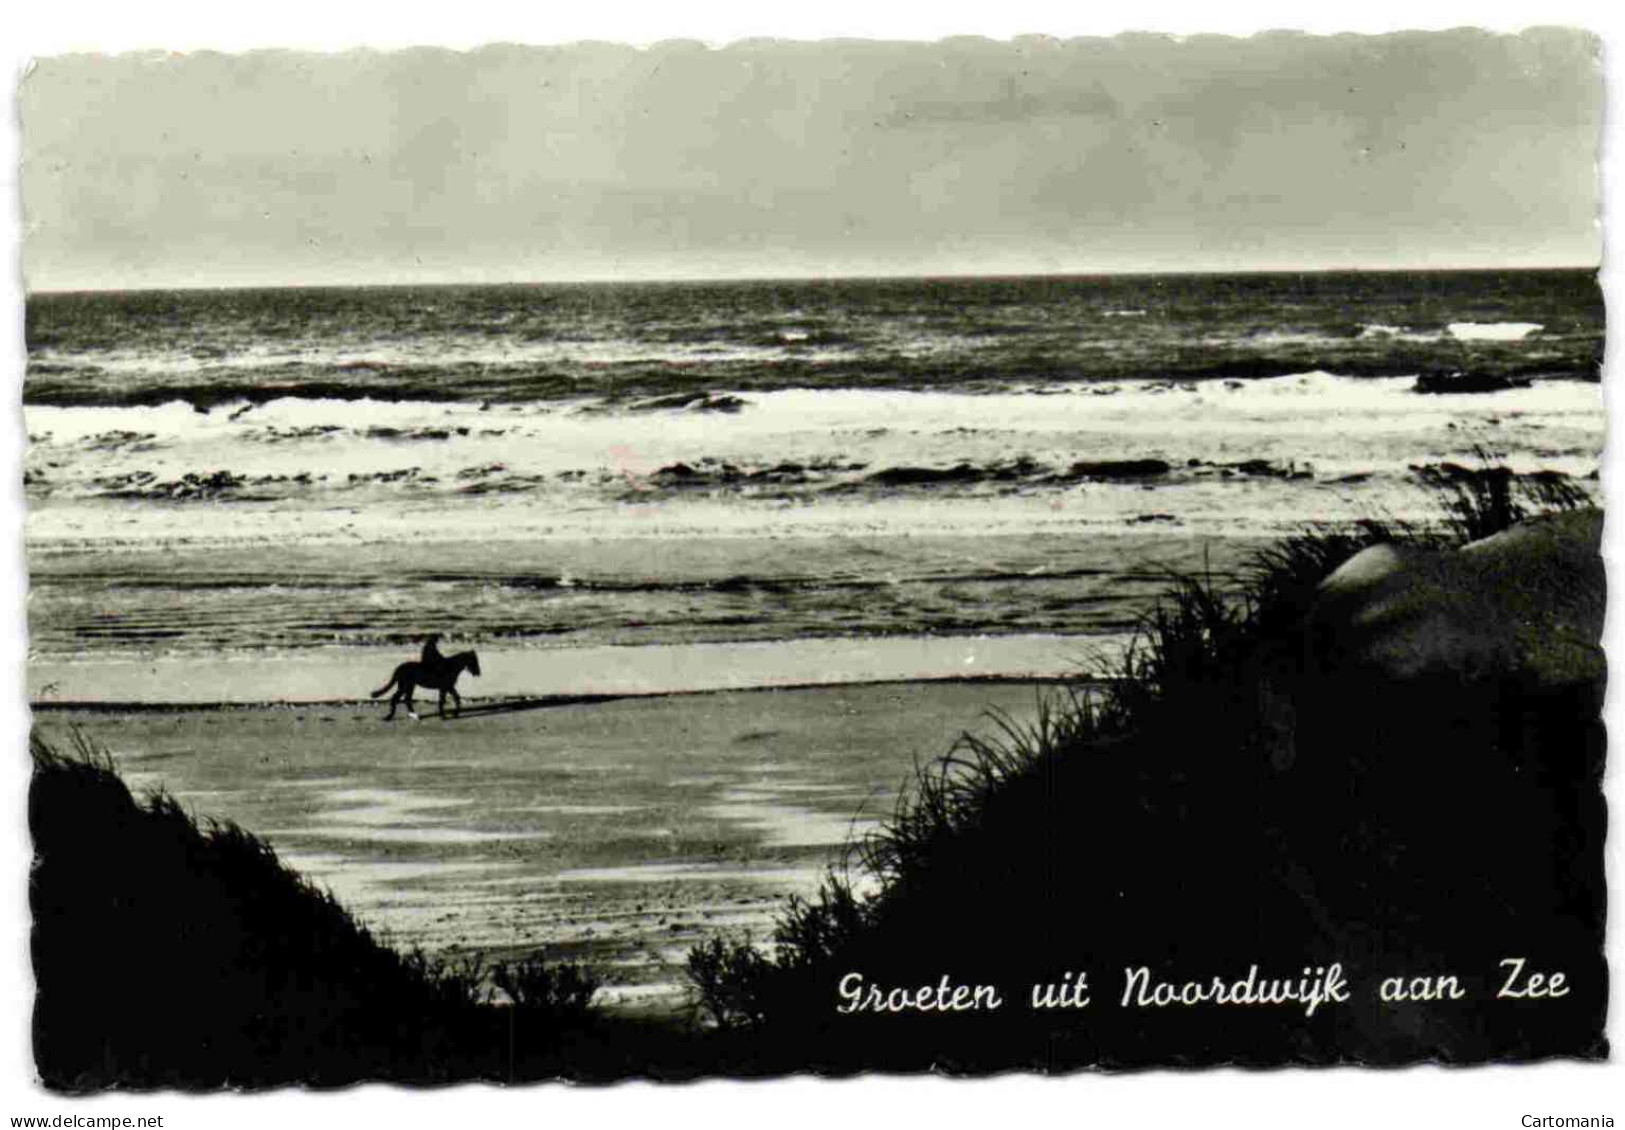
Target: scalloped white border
<point>1427,1096</point>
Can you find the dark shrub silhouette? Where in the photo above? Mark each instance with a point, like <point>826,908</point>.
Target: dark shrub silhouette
<point>173,952</point>
<point>1235,794</point>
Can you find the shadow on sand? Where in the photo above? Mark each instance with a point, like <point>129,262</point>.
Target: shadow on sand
<point>544,702</point>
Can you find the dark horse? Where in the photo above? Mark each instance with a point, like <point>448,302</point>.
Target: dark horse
<point>440,677</point>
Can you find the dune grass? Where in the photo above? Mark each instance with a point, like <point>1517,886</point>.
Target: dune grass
<point>176,951</point>
<point>1217,797</point>
<point>1486,499</point>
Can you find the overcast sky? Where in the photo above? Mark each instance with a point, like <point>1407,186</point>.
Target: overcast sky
<point>775,159</point>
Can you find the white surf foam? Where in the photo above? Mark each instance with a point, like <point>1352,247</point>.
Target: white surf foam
<point>1493,331</point>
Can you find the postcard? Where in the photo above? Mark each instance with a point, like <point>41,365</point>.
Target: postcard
<point>598,562</point>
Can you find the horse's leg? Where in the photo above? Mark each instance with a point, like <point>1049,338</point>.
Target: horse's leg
<point>410,689</point>
<point>442,702</point>
<point>457,703</point>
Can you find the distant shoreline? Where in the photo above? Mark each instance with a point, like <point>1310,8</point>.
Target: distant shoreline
<point>539,674</point>
<point>492,704</point>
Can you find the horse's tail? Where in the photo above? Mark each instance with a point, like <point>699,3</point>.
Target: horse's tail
<point>393,679</point>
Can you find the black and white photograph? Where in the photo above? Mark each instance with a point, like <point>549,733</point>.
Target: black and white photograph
<point>765,557</point>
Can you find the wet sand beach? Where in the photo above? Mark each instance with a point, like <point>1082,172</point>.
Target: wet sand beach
<point>618,831</point>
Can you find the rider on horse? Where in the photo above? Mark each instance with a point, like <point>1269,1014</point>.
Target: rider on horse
<point>435,672</point>
<point>432,659</point>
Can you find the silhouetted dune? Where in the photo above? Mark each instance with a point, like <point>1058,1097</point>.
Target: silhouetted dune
<point>173,952</point>
<point>1255,793</point>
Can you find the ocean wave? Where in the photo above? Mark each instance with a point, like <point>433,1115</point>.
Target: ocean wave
<point>410,434</point>
<point>692,402</point>
<point>1493,331</point>
<point>215,486</point>
<point>980,358</point>
<point>845,477</point>
<point>1458,383</point>
<point>1381,332</point>
<point>786,445</point>
<point>516,344</point>
<point>1185,486</point>
<point>122,441</point>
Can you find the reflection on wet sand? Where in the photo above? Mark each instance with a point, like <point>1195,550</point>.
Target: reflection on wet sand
<point>620,833</point>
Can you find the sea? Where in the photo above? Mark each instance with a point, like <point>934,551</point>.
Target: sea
<point>245,506</point>
<point>609,465</point>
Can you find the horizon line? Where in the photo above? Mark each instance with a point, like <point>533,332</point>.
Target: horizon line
<point>938,276</point>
